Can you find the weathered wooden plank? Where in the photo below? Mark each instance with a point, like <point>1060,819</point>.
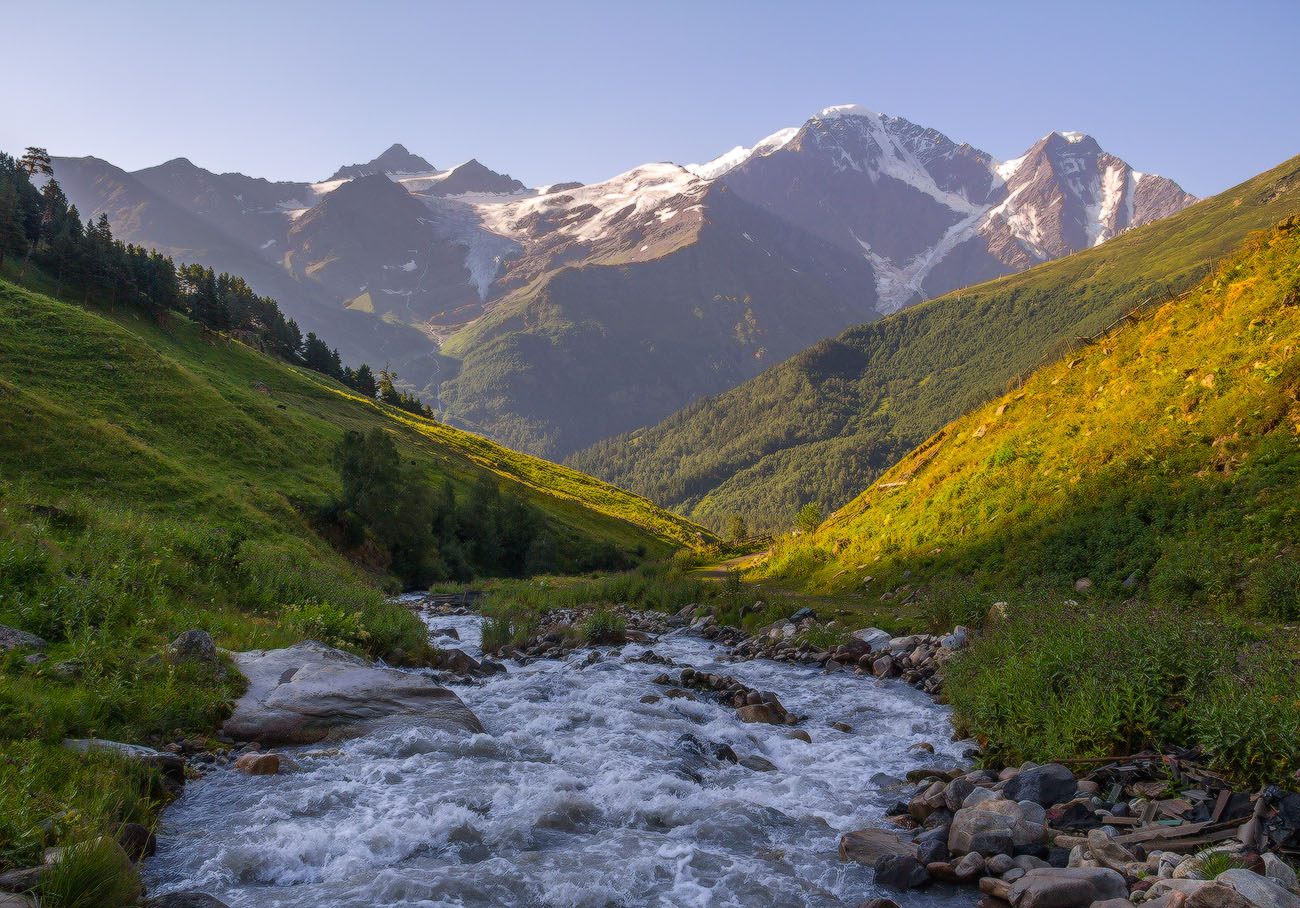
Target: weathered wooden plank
<point>1220,805</point>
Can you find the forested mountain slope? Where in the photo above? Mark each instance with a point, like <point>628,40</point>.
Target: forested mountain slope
<point>1161,461</point>
<point>825,423</point>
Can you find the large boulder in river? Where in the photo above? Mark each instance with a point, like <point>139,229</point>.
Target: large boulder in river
<point>309,691</point>
<point>1048,785</point>
<point>865,846</point>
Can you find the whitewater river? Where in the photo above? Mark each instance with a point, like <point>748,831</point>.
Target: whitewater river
<point>580,795</point>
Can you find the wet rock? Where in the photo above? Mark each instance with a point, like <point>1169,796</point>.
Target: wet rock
<point>957,792</point>
<point>879,903</point>
<point>757,763</point>
<point>12,638</point>
<point>866,846</point>
<point>1047,785</point>
<point>195,647</point>
<point>1067,888</point>
<point>900,872</point>
<point>932,845</point>
<point>309,691</point>
<point>715,749</point>
<point>800,735</point>
<point>842,726</point>
<point>170,765</point>
<point>760,712</point>
<point>184,900</point>
<point>1000,864</point>
<point>446,632</point>
<point>22,880</point>
<point>137,841</point>
<point>16,900</point>
<point>457,662</point>
<point>970,867</point>
<point>255,764</point>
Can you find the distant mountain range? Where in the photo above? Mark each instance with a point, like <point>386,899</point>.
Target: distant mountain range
<point>553,317</point>
<point>825,423</point>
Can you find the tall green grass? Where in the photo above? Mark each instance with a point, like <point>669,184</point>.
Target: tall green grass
<point>1053,681</point>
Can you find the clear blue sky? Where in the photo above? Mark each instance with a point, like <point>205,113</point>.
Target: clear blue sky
<point>1204,92</point>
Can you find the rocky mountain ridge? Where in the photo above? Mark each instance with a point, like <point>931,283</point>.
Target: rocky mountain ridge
<point>471,284</point>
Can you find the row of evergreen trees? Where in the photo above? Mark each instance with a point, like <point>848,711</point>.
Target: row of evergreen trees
<point>429,533</point>
<point>41,228</point>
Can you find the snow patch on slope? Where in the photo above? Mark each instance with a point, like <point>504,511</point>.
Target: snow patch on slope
<point>586,214</point>
<point>730,160</point>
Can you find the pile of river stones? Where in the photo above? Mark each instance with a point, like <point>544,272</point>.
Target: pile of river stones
<point>750,705</point>
<point>1038,837</point>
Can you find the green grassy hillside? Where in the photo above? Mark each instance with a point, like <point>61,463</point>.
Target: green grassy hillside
<point>1162,462</point>
<point>168,420</point>
<point>824,424</point>
<point>157,478</point>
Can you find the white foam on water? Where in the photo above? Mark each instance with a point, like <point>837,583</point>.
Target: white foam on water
<point>579,796</point>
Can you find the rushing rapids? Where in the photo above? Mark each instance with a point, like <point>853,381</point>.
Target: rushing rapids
<point>583,792</point>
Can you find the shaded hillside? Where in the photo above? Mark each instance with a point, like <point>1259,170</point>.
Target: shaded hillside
<point>824,424</point>
<point>1161,461</point>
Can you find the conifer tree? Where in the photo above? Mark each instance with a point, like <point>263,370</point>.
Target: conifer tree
<point>365,381</point>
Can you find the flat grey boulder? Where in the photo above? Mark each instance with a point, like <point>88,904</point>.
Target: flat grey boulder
<point>873,637</point>
<point>1067,887</point>
<point>309,691</point>
<point>865,846</point>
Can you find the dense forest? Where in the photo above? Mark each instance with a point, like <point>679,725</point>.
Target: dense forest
<point>39,227</point>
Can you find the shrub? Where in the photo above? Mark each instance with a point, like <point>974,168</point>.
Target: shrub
<point>949,603</point>
<point>602,627</point>
<point>328,624</point>
<point>1274,591</point>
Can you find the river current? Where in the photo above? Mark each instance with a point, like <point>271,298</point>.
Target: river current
<point>580,795</point>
